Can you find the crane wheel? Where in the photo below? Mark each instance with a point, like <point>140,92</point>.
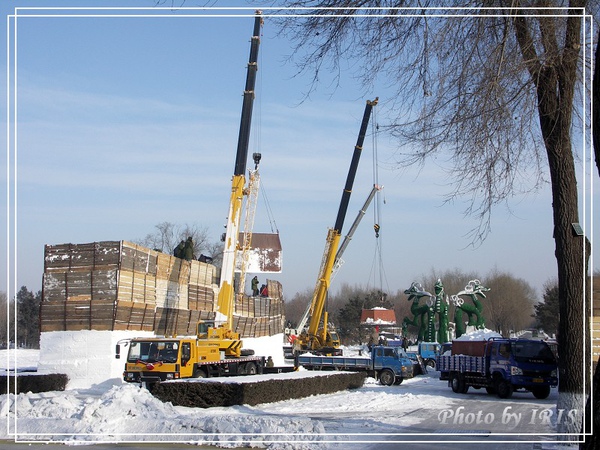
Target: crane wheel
<point>250,369</point>
<point>198,373</point>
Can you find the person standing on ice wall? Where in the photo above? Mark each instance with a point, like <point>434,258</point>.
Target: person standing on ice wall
<point>255,286</point>
<point>188,250</point>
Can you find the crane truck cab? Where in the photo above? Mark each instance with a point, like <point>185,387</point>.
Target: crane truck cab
<point>152,360</point>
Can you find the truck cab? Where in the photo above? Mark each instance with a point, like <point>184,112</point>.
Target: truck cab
<point>391,365</point>
<point>524,364</point>
<point>154,360</point>
<point>429,352</point>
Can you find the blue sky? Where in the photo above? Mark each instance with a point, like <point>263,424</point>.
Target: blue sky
<point>124,123</point>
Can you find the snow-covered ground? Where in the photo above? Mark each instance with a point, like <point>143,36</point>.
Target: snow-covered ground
<point>118,412</point>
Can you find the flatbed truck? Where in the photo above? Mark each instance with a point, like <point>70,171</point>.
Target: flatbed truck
<point>387,364</point>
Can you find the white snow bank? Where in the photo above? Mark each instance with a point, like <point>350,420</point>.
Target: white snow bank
<point>86,357</point>
<point>479,335</point>
<point>129,413</point>
<point>25,360</point>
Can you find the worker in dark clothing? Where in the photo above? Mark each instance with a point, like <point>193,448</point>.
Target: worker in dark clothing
<point>178,252</point>
<point>188,250</point>
<point>255,286</point>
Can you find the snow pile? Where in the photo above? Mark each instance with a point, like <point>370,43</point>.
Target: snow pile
<point>86,357</point>
<point>479,335</point>
<point>25,360</point>
<point>378,321</point>
<point>127,413</point>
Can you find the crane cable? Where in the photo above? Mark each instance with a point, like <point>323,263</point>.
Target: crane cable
<point>377,269</point>
<point>258,140</point>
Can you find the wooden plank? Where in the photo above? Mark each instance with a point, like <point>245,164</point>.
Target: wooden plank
<point>72,256</point>
<point>137,287</point>
<point>169,294</point>
<point>193,322</point>
<point>52,316</point>
<point>121,285</point>
<point>202,274</point>
<point>135,316</point>
<point>275,289</point>
<point>165,320</point>
<point>138,259</point>
<point>167,267</point>
<point>79,285</point>
<point>54,286</point>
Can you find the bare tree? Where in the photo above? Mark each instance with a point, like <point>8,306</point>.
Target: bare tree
<point>509,304</point>
<point>493,92</point>
<point>591,441</point>
<point>294,308</point>
<point>168,235</point>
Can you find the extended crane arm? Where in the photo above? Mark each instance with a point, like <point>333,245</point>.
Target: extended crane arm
<point>342,249</point>
<point>354,226</point>
<point>226,290</point>
<point>333,237</point>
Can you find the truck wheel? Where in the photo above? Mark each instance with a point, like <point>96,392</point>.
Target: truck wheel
<point>458,384</point>
<point>504,389</point>
<point>431,363</point>
<point>198,373</point>
<point>541,392</point>
<point>250,368</point>
<point>491,390</point>
<point>387,377</point>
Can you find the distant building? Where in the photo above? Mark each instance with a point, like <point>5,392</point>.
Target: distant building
<point>378,316</point>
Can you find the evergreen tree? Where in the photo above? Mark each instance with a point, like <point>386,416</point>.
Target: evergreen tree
<point>28,318</point>
<point>547,312</point>
<point>5,310</point>
<point>348,318</point>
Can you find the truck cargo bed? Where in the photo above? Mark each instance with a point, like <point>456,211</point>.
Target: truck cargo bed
<point>462,363</point>
<point>335,362</point>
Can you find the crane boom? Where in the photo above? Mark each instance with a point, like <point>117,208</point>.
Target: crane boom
<point>354,226</point>
<point>225,299</point>
<point>338,257</point>
<point>318,338</point>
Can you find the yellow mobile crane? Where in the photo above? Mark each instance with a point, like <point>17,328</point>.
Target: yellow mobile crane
<point>318,338</point>
<point>292,333</point>
<point>217,348</point>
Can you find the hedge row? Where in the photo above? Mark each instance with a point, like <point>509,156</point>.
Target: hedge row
<point>34,383</point>
<point>207,393</point>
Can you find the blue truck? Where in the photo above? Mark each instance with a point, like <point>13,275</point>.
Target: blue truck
<point>429,352</point>
<point>501,366</point>
<point>387,364</point>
